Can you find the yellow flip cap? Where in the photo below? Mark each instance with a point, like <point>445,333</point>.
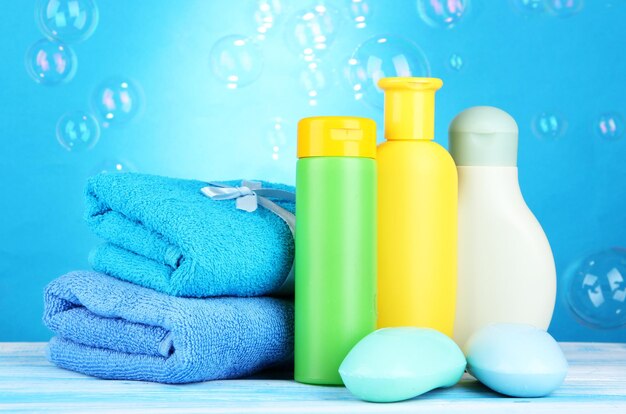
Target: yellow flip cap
<point>336,136</point>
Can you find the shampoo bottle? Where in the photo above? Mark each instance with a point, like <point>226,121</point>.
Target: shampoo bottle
<point>335,243</point>
<point>417,212</point>
<point>506,268</point>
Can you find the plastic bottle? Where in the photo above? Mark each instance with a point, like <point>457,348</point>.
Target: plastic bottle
<point>335,243</point>
<point>506,268</point>
<point>417,212</point>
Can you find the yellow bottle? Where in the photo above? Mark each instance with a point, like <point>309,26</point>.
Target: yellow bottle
<point>417,212</point>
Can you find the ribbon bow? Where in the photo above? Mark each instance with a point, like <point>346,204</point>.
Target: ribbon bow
<point>248,197</point>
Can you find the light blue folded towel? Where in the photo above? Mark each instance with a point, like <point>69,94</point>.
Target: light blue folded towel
<point>163,233</point>
<point>112,329</point>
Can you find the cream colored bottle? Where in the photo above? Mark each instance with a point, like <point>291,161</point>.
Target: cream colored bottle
<point>506,270</point>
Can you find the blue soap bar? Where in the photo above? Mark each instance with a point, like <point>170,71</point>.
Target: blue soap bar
<point>516,360</point>
<point>395,364</point>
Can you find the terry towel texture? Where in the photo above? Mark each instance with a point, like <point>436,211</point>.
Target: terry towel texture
<point>163,233</point>
<point>112,329</point>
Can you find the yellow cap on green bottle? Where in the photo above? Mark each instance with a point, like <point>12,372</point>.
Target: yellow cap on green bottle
<point>336,136</point>
<point>410,107</point>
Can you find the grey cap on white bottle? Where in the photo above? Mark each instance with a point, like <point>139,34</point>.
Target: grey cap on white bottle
<point>483,136</point>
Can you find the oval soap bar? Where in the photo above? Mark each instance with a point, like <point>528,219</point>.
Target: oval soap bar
<point>395,364</point>
<point>516,359</point>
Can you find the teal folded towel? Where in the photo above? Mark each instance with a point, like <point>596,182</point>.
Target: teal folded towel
<point>113,329</point>
<point>163,233</point>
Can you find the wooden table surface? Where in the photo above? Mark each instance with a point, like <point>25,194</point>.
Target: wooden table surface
<point>596,383</point>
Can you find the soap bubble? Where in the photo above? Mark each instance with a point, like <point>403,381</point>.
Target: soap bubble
<point>113,165</point>
<point>116,101</point>
<point>529,7</point>
<point>381,57</point>
<point>610,126</point>
<point>442,13</point>
<point>360,11</point>
<point>456,62</point>
<point>549,125</point>
<point>277,137</point>
<point>50,62</point>
<point>265,16</point>
<point>310,32</point>
<point>314,80</point>
<point>236,60</point>
<point>67,20</point>
<point>78,131</point>
<point>564,8</point>
<point>596,291</point>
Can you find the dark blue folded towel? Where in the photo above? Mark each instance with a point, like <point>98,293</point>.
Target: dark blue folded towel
<point>112,329</point>
<point>163,233</point>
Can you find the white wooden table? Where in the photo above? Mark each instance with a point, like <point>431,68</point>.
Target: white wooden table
<point>596,383</point>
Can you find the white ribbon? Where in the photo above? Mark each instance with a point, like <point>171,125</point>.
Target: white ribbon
<point>247,198</point>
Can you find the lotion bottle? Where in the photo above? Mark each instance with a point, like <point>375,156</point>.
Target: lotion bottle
<point>506,270</point>
<point>335,243</point>
<point>417,212</point>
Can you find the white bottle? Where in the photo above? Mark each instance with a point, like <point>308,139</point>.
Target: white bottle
<point>506,270</point>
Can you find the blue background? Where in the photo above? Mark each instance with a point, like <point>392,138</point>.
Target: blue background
<point>191,125</point>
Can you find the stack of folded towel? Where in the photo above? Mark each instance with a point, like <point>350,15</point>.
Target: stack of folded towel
<point>180,290</point>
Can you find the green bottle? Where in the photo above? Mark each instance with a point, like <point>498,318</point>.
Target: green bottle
<point>335,243</point>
